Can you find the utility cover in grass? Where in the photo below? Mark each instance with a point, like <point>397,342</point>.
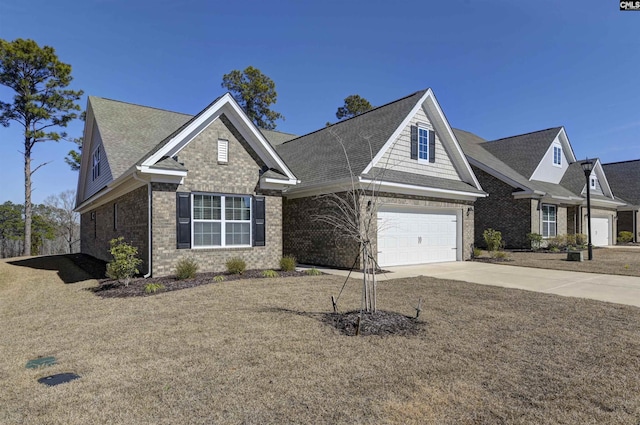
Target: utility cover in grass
<point>41,362</point>
<point>60,378</point>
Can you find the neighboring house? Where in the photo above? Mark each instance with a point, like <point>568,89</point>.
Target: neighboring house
<point>624,178</point>
<point>408,152</point>
<point>536,185</point>
<point>208,187</point>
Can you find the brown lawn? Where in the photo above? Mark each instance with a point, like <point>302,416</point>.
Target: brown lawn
<point>621,261</point>
<point>257,352</point>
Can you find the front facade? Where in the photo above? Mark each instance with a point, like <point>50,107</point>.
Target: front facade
<point>209,188</point>
<point>410,178</point>
<point>535,185</point>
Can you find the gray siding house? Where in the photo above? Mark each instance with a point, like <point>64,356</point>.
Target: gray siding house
<point>536,185</point>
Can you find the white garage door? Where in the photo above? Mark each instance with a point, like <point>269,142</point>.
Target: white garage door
<point>599,231</point>
<point>416,237</point>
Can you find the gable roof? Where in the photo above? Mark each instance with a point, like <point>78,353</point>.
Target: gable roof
<point>352,148</point>
<point>624,179</point>
<point>129,131</point>
<point>330,153</point>
<point>525,151</point>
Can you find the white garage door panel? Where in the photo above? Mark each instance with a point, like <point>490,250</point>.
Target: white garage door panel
<point>416,237</point>
<point>600,231</point>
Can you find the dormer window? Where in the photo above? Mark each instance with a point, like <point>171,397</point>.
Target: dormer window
<point>557,155</point>
<point>95,167</point>
<point>593,181</point>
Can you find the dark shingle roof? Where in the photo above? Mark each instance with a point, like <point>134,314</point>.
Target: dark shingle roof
<point>277,137</point>
<point>395,176</point>
<point>476,149</point>
<point>130,131</point>
<point>574,179</point>
<point>321,156</point>
<point>624,179</point>
<point>523,152</point>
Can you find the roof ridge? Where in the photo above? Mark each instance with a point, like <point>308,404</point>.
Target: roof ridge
<point>356,116</point>
<point>622,162</point>
<point>141,106</point>
<point>524,134</point>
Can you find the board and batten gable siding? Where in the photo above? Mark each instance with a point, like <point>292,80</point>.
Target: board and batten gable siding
<point>547,171</point>
<point>239,176</point>
<point>398,156</point>
<point>93,186</point>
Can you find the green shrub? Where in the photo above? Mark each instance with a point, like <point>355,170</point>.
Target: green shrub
<point>125,261</point>
<point>270,273</point>
<point>570,239</point>
<point>186,268</point>
<point>236,265</point>
<point>625,237</point>
<point>557,243</point>
<point>218,278</point>
<point>313,272</point>
<point>152,288</point>
<point>288,263</point>
<point>535,239</point>
<point>581,239</point>
<point>477,252</point>
<point>499,255</point>
<point>493,239</point>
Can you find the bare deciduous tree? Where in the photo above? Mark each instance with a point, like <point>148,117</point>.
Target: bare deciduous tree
<point>66,219</point>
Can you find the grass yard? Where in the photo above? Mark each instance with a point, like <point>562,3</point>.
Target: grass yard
<point>620,261</point>
<point>257,352</point>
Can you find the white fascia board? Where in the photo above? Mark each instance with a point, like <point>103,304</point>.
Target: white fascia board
<point>461,154</point>
<point>604,203</point>
<point>265,146</point>
<point>113,190</point>
<point>321,188</point>
<point>427,96</point>
<point>289,182</point>
<point>409,189</point>
<point>194,128</point>
<point>564,141</point>
<point>394,136</point>
<point>148,170</point>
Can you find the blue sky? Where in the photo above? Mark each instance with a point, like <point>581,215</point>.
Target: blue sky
<point>498,68</point>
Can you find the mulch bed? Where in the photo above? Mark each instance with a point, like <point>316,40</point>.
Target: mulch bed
<point>113,289</point>
<point>379,323</point>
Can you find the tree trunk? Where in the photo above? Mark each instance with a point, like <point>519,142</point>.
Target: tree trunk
<point>27,197</point>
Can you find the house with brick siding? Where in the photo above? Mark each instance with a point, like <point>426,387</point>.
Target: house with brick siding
<point>207,187</point>
<point>624,178</point>
<point>404,154</point>
<point>536,185</point>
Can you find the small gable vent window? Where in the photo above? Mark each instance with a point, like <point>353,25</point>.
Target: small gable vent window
<point>594,182</point>
<point>423,144</point>
<point>557,155</point>
<point>223,151</point>
<point>95,167</point>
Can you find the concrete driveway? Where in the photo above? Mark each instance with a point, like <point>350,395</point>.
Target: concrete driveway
<point>602,287</point>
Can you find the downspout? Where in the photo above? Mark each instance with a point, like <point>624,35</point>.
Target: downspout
<point>135,176</point>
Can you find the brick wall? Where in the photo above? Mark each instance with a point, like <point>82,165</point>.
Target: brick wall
<point>500,211</point>
<point>314,241</point>
<point>132,224</point>
<point>239,176</point>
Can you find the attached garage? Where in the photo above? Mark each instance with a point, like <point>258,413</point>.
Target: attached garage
<point>416,236</point>
<point>600,231</point>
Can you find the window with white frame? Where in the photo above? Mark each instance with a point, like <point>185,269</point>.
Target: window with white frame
<point>593,181</point>
<point>221,220</point>
<point>423,143</point>
<point>549,223</point>
<point>557,155</point>
<point>95,167</point>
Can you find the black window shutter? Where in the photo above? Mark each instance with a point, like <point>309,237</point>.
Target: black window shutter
<point>183,219</point>
<point>414,142</point>
<point>259,224</point>
<point>432,146</point>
